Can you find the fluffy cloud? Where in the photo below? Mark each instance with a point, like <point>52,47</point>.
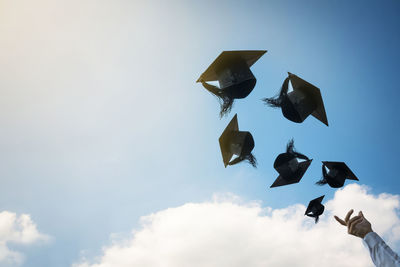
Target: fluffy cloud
<point>227,232</point>
<point>16,230</point>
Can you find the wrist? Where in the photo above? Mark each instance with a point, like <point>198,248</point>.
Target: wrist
<point>367,232</point>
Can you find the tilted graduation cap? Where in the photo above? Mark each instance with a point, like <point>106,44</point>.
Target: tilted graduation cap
<point>235,142</point>
<point>315,208</point>
<point>232,70</point>
<point>304,100</point>
<point>336,175</point>
<point>289,168</point>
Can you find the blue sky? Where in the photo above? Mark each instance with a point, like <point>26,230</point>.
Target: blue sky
<point>102,121</point>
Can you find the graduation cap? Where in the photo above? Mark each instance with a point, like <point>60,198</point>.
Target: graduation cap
<point>288,166</point>
<point>336,175</point>
<point>297,105</point>
<point>315,208</point>
<point>232,70</point>
<point>235,142</point>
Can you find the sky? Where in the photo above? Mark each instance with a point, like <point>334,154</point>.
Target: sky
<point>108,146</point>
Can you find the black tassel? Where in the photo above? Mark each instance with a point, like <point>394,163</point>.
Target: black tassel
<point>290,147</point>
<point>225,101</point>
<point>291,150</point>
<point>276,101</point>
<point>323,180</point>
<point>226,104</point>
<point>250,158</point>
<point>316,219</point>
<point>273,102</point>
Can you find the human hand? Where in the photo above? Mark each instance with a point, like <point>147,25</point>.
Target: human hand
<point>357,226</point>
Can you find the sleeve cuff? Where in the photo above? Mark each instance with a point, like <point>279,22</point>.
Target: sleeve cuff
<point>371,239</point>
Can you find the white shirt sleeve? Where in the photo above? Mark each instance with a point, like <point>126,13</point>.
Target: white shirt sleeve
<point>382,255</point>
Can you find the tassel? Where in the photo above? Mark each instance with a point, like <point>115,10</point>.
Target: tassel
<point>276,101</point>
<point>226,104</point>
<point>225,101</point>
<point>290,147</point>
<point>323,180</point>
<point>250,158</point>
<point>291,150</point>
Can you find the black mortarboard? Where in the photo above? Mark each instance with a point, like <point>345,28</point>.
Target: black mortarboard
<point>304,100</point>
<point>232,70</point>
<point>235,142</point>
<point>315,208</point>
<point>289,168</point>
<point>336,175</point>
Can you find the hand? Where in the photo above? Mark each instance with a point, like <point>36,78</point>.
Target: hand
<point>357,226</point>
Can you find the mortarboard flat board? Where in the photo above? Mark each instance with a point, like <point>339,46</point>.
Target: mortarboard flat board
<point>248,56</point>
<point>224,139</point>
<point>342,166</point>
<point>281,181</point>
<point>309,89</point>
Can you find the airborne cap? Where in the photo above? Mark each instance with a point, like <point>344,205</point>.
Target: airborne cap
<point>315,208</point>
<point>297,105</point>
<point>232,71</point>
<point>235,142</point>
<point>288,166</point>
<point>336,175</point>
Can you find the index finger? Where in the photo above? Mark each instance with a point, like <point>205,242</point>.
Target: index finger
<point>340,220</point>
<point>348,215</point>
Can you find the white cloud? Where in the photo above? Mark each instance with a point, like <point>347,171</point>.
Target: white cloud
<point>227,232</point>
<point>16,230</point>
